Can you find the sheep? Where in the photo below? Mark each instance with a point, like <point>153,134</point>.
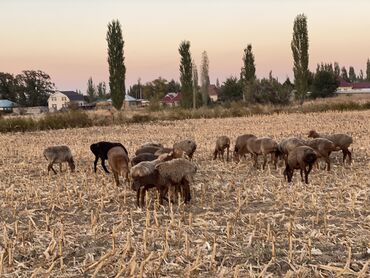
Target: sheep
<point>240,148</point>
<point>188,146</point>
<point>299,158</point>
<point>100,150</point>
<point>177,172</point>
<point>59,154</point>
<point>151,144</point>
<point>263,146</point>
<point>142,174</point>
<point>163,150</point>
<point>147,149</point>
<point>143,157</point>
<point>287,145</point>
<point>118,161</point>
<point>341,142</point>
<point>323,148</point>
<point>222,143</point>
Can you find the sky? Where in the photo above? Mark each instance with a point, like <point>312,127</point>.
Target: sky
<point>67,38</point>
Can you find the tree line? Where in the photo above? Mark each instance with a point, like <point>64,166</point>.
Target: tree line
<point>32,88</point>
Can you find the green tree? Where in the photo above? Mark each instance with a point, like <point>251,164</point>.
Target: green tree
<point>336,69</point>
<point>231,90</point>
<point>360,77</point>
<point>91,90</point>
<point>8,86</point>
<point>344,74</point>
<point>34,88</point>
<point>351,74</point>
<point>186,75</point>
<point>173,86</point>
<point>325,83</point>
<point>117,69</point>
<point>204,77</point>
<point>248,74</point>
<point>368,70</point>
<point>102,90</point>
<point>299,47</point>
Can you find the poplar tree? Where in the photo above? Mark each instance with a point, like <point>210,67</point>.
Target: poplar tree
<point>299,47</point>
<point>248,74</point>
<point>368,70</point>
<point>117,69</point>
<point>351,74</point>
<point>204,77</point>
<point>186,75</point>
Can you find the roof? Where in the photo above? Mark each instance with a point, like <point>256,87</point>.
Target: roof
<point>127,98</point>
<point>171,97</point>
<point>73,96</point>
<point>4,103</point>
<point>343,83</point>
<point>212,90</point>
<point>361,85</point>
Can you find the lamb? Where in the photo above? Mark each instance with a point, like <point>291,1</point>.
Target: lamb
<point>188,146</point>
<point>178,172</point>
<point>147,149</point>
<point>323,148</point>
<point>100,150</point>
<point>299,158</point>
<point>341,142</point>
<point>222,143</point>
<point>59,154</point>
<point>240,148</point>
<point>118,161</point>
<point>263,146</point>
<point>143,157</point>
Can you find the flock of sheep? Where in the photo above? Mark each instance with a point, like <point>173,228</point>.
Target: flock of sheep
<point>155,166</point>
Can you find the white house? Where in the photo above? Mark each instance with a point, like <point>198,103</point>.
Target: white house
<point>62,99</point>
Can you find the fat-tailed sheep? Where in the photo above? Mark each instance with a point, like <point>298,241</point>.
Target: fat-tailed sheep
<point>263,146</point>
<point>188,146</point>
<point>341,142</point>
<point>147,149</point>
<point>222,143</point>
<point>100,150</point>
<point>143,157</point>
<point>241,149</point>
<point>300,158</point>
<point>323,148</point>
<point>287,145</point>
<point>59,154</point>
<point>118,161</point>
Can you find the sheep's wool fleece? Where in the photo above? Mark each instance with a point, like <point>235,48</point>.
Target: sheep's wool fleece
<point>176,169</point>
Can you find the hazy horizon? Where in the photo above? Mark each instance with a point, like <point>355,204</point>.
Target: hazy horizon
<point>67,39</point>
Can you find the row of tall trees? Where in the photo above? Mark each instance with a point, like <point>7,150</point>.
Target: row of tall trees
<point>29,88</point>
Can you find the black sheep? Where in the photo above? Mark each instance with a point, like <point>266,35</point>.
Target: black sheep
<point>100,150</point>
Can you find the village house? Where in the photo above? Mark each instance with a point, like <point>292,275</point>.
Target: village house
<point>7,105</point>
<point>353,88</point>
<point>63,99</point>
<point>213,92</point>
<point>171,99</point>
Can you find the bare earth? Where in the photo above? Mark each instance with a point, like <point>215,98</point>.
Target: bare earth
<point>241,222</point>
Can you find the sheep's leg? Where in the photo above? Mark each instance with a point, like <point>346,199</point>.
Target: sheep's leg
<point>215,154</point>
<point>186,193</point>
<point>95,163</point>
<point>302,173</point>
<point>264,161</point>
<point>103,165</point>
<point>290,175</point>
<point>138,197</point>
<point>50,166</point>
<point>222,154</point>
<point>143,193</point>
<point>349,156</point>
<point>255,160</point>
<point>305,175</point>
<point>327,160</point>
<point>116,178</point>
<point>227,154</point>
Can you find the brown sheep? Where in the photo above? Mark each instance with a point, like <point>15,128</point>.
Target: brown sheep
<point>299,158</point>
<point>59,154</point>
<point>323,148</point>
<point>119,163</point>
<point>147,149</point>
<point>263,146</point>
<point>188,146</point>
<point>341,142</point>
<point>287,145</point>
<point>240,149</point>
<point>222,143</point>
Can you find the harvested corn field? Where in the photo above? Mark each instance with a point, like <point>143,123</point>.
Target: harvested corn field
<point>241,221</point>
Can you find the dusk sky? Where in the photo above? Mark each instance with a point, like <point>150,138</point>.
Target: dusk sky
<point>67,39</point>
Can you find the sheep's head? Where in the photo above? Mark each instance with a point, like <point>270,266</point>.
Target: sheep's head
<point>313,134</point>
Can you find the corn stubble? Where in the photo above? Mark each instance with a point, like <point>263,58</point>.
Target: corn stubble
<point>241,222</point>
